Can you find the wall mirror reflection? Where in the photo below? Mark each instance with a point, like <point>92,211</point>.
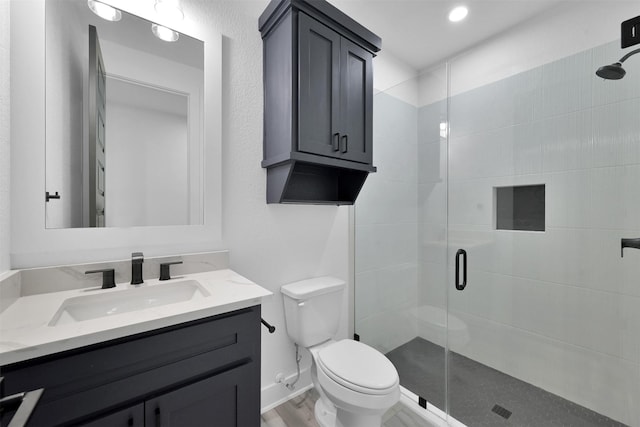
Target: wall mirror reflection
<point>124,121</point>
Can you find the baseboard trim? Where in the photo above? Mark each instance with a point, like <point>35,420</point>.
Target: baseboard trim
<point>276,394</point>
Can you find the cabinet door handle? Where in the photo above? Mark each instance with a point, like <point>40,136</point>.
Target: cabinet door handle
<point>158,418</point>
<point>461,286</point>
<point>336,142</point>
<point>344,143</point>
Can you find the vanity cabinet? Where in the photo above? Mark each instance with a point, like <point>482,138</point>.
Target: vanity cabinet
<point>129,417</point>
<point>204,372</point>
<point>318,102</point>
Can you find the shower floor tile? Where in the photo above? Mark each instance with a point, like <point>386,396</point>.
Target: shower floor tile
<point>476,389</point>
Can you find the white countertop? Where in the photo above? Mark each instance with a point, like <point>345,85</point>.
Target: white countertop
<point>25,332</point>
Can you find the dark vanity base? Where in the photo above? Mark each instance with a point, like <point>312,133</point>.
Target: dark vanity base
<point>205,372</point>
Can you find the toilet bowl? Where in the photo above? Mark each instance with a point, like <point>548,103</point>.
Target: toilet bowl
<point>356,383</point>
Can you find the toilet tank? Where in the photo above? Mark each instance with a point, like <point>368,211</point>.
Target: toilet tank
<point>312,309</point>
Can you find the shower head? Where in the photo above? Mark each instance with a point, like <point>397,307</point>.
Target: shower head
<point>615,70</point>
<point>611,72</point>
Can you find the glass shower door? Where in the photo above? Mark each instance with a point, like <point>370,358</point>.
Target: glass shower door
<point>543,186</point>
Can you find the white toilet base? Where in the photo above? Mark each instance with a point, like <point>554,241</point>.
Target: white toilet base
<point>326,417</point>
<point>349,419</point>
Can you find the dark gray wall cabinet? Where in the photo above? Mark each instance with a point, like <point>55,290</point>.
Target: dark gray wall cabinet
<point>201,373</point>
<point>318,102</point>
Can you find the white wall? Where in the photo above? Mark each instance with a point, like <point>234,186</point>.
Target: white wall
<point>183,156</point>
<point>270,244</point>
<point>147,177</point>
<point>5,149</point>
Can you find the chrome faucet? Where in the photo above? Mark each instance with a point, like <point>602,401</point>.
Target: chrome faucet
<point>137,258</point>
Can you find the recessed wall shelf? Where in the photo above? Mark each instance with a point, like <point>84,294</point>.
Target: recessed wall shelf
<point>520,207</point>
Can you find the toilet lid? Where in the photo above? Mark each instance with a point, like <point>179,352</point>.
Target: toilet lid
<point>359,367</point>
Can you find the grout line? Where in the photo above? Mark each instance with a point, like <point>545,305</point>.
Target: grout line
<point>554,340</point>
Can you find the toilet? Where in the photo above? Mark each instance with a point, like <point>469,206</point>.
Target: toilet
<point>356,383</point>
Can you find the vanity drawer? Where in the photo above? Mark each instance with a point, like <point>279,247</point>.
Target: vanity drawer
<point>102,377</point>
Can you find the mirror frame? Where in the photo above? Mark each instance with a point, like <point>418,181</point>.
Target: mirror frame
<point>32,244</point>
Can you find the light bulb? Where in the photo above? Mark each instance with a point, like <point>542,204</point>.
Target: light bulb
<point>458,13</point>
<point>104,11</point>
<point>164,33</point>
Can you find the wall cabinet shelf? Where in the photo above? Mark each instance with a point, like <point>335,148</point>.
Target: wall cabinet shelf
<point>205,372</point>
<point>318,102</point>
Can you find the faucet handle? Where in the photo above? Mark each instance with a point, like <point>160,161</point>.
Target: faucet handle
<point>165,269</point>
<point>108,277</point>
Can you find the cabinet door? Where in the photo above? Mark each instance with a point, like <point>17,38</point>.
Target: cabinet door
<point>319,88</point>
<point>356,103</point>
<point>129,417</point>
<point>229,399</point>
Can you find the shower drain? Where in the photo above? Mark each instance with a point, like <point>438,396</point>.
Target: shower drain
<point>503,412</point>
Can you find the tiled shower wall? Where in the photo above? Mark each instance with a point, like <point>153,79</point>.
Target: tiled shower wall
<point>386,227</point>
<point>559,309</point>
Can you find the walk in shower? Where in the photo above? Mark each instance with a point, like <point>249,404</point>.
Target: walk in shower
<point>522,184</point>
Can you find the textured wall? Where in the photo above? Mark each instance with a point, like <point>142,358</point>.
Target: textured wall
<point>270,244</point>
<point>5,166</point>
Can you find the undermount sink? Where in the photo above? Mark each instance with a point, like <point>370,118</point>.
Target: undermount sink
<point>86,307</point>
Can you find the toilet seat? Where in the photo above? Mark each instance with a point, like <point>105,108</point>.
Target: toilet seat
<point>358,367</point>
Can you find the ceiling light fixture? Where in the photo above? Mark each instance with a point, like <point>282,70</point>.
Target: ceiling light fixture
<point>164,33</point>
<point>104,11</point>
<point>458,13</point>
<point>169,9</point>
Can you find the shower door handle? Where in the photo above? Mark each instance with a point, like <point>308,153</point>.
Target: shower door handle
<point>461,253</point>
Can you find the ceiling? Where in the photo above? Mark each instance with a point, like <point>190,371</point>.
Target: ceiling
<point>419,33</point>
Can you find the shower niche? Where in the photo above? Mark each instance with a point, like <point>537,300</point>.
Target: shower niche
<point>318,102</point>
<point>520,207</point>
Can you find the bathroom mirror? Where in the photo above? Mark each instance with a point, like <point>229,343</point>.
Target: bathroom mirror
<point>125,138</point>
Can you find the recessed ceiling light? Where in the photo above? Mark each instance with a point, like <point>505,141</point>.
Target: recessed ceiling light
<point>164,33</point>
<point>104,11</point>
<point>458,13</point>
